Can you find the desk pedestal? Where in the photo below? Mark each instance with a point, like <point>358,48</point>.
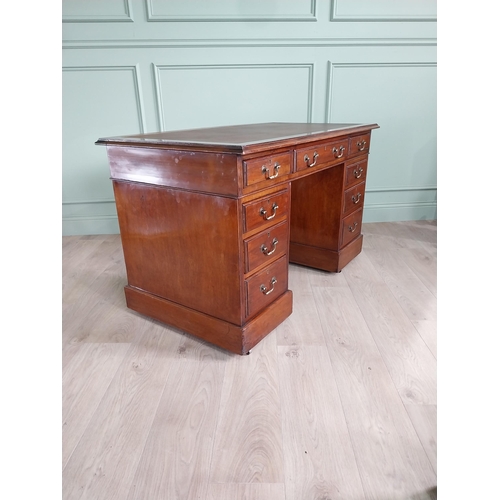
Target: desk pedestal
<point>209,221</point>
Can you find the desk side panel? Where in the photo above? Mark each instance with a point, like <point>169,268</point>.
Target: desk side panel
<point>182,246</point>
<point>197,171</point>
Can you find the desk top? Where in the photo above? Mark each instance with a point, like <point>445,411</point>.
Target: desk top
<point>240,138</point>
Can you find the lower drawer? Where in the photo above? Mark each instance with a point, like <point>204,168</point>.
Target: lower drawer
<point>355,172</point>
<point>267,285</point>
<point>354,198</point>
<point>266,246</point>
<point>351,227</point>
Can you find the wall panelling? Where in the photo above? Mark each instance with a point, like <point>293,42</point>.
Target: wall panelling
<point>131,66</point>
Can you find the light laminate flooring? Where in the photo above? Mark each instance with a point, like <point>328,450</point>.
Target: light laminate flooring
<point>339,402</point>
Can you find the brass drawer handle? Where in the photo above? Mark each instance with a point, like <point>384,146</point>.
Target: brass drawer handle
<point>358,173</point>
<point>265,170</point>
<point>361,145</point>
<point>264,249</point>
<point>335,152</point>
<point>352,228</point>
<point>315,158</point>
<point>355,199</point>
<point>263,288</point>
<point>264,212</point>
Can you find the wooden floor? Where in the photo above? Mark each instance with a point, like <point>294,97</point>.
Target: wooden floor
<point>339,402</point>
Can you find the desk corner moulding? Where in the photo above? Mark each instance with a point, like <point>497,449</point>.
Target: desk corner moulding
<point>211,218</point>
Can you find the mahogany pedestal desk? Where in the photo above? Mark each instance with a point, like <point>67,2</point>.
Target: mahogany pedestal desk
<point>210,218</point>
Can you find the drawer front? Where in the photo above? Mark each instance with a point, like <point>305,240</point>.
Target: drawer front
<point>351,227</point>
<point>266,210</point>
<point>266,286</point>
<point>267,169</point>
<point>325,154</point>
<point>359,145</point>
<point>266,246</point>
<point>354,198</point>
<point>355,173</point>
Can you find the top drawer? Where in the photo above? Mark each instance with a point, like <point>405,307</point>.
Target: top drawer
<point>266,168</point>
<point>323,154</point>
<point>359,145</point>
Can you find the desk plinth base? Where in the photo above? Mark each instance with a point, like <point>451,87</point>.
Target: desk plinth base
<point>233,338</point>
<point>324,259</point>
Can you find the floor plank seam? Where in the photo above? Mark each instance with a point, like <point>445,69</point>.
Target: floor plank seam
<point>403,311</point>
<point>133,474</point>
<point>420,440</point>
<point>217,421</point>
<point>96,408</point>
<point>355,455</point>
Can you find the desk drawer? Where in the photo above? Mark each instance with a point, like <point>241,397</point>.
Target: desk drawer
<point>355,173</point>
<point>266,246</point>
<point>351,227</point>
<point>266,286</point>
<point>354,198</point>
<point>266,210</point>
<point>267,168</point>
<point>359,145</point>
<point>320,155</point>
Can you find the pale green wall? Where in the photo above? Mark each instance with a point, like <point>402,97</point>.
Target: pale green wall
<point>132,66</point>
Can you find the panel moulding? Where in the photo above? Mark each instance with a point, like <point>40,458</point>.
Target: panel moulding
<point>332,66</point>
<point>249,42</point>
<point>157,77</point>
<point>125,17</point>
<point>88,202</point>
<point>335,17</point>
<point>137,86</point>
<point>151,16</point>
<point>395,189</point>
<point>401,205</point>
